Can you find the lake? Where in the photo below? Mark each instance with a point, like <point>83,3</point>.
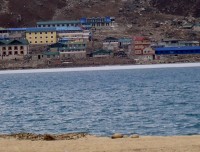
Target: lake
<point>161,101</point>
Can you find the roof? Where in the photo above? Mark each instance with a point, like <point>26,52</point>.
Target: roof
<point>16,29</point>
<point>168,40</point>
<point>14,42</point>
<point>70,28</point>
<point>70,49</point>
<point>41,29</point>
<point>51,53</point>
<point>57,45</point>
<point>125,40</point>
<point>2,29</point>
<point>188,25</point>
<point>62,45</point>
<point>59,22</point>
<point>140,38</point>
<point>193,42</point>
<point>110,39</point>
<point>101,52</point>
<point>197,24</point>
<point>185,48</point>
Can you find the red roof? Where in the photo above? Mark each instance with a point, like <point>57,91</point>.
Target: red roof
<point>139,38</point>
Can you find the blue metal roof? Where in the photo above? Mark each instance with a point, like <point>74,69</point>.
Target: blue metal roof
<point>16,29</point>
<point>177,50</point>
<point>41,29</point>
<point>70,28</point>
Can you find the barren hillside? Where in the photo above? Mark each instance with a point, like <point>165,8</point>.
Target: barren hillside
<point>155,18</point>
<point>23,12</point>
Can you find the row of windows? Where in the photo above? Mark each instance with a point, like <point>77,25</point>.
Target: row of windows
<point>58,25</point>
<point>96,20</point>
<point>13,48</point>
<point>41,33</point>
<point>13,53</point>
<point>41,37</point>
<point>41,42</point>
<point>147,52</point>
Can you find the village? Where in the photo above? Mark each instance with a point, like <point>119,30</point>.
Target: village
<point>74,42</point>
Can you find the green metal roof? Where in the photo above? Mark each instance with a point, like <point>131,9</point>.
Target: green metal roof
<point>65,45</point>
<point>14,42</point>
<point>102,52</point>
<point>125,40</point>
<point>58,22</point>
<point>50,53</point>
<point>1,28</point>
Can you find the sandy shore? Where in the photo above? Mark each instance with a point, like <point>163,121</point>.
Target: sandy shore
<point>105,144</point>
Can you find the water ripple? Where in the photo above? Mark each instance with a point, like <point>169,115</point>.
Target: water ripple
<point>148,102</point>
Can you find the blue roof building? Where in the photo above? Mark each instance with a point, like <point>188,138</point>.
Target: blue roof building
<point>177,50</point>
<point>97,21</point>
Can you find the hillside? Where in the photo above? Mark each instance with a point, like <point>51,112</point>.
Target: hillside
<point>156,18</point>
<point>178,7</point>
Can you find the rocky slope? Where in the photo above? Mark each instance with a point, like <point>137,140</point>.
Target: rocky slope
<point>23,12</point>
<point>156,18</point>
<point>178,7</point>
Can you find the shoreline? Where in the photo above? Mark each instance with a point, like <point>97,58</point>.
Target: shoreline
<point>105,144</point>
<point>101,68</point>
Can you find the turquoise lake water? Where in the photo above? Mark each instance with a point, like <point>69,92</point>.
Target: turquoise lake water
<point>144,101</point>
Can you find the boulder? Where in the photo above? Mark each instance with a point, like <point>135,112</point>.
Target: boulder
<point>48,137</point>
<point>116,136</point>
<point>135,136</point>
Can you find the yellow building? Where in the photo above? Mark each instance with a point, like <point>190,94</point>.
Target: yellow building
<point>37,36</point>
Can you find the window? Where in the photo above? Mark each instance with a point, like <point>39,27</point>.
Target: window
<point>35,41</point>
<point>9,48</point>
<point>22,52</point>
<point>29,33</point>
<point>46,41</point>
<point>10,53</point>
<point>40,32</point>
<point>51,36</point>
<point>16,53</point>
<point>45,32</point>
<point>46,36</point>
<point>51,32</point>
<point>15,48</point>
<point>21,47</point>
<point>35,37</point>
<point>4,53</point>
<point>4,48</point>
<point>41,42</point>
<point>41,37</point>
<point>30,37</point>
<point>35,32</point>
